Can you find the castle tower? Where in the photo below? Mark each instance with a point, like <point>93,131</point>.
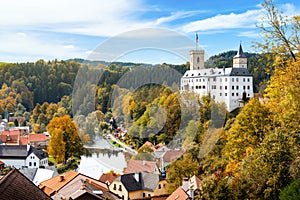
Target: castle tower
<point>196,59</point>
<point>240,60</point>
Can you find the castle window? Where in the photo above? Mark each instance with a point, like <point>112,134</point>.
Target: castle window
<point>233,87</point>
<point>192,74</point>
<point>214,79</point>
<point>199,74</point>
<point>196,80</point>
<point>192,87</point>
<point>237,94</point>
<point>196,87</point>
<point>237,87</point>
<point>244,87</point>
<point>225,94</point>
<point>237,79</point>
<point>248,87</point>
<point>200,80</point>
<point>220,94</point>
<point>225,79</point>
<point>232,94</point>
<point>248,79</point>
<point>244,79</point>
<point>213,87</point>
<point>186,75</point>
<point>232,79</point>
<point>203,86</point>
<point>200,87</point>
<point>225,87</point>
<point>198,60</point>
<point>221,87</point>
<point>214,96</point>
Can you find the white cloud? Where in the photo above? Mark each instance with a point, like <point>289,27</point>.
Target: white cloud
<point>25,47</point>
<point>228,21</point>
<point>249,34</point>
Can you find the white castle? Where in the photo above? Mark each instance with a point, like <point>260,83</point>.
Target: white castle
<point>233,86</point>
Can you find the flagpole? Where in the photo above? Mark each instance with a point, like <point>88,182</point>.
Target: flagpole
<point>196,41</point>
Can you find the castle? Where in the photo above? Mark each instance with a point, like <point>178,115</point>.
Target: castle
<point>233,86</point>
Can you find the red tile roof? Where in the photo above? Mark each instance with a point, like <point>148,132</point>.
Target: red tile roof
<point>172,155</point>
<point>15,185</point>
<point>10,139</point>
<point>38,137</point>
<point>108,178</point>
<point>135,166</point>
<point>178,194</point>
<point>54,184</point>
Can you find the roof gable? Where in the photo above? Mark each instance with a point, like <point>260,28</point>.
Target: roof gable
<point>135,166</point>
<point>178,194</point>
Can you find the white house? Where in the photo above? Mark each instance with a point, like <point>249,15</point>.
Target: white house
<point>22,156</point>
<point>229,85</point>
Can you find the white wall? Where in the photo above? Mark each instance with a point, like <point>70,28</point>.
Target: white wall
<point>32,161</point>
<point>14,163</point>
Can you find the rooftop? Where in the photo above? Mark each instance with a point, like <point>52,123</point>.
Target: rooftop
<point>135,166</point>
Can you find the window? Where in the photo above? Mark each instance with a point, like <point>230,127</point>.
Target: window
<point>120,187</point>
<point>115,186</point>
<point>237,94</point>
<point>225,87</point>
<point>214,96</point>
<point>200,87</point>
<point>213,87</point>
<point>221,87</point>
<point>203,86</point>
<point>196,80</point>
<point>214,79</point>
<point>244,87</point>
<point>144,194</point>
<point>232,79</point>
<point>225,79</point>
<point>232,87</point>
<point>159,186</point>
<point>198,60</point>
<point>225,94</point>
<point>34,164</point>
<point>248,79</point>
<point>30,164</point>
<point>248,87</point>
<point>220,79</point>
<point>149,195</point>
<point>237,79</point>
<point>237,87</point>
<point>196,86</point>
<point>244,79</point>
<point>192,87</point>
<point>232,94</point>
<point>220,94</point>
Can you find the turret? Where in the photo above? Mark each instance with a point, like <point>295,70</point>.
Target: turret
<point>240,60</point>
<point>196,59</point>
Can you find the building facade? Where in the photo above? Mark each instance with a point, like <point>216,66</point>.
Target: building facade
<point>232,85</point>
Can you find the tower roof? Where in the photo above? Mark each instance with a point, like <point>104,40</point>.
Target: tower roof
<point>240,52</point>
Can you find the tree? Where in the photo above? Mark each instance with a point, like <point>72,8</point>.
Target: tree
<point>64,132</point>
<point>291,192</point>
<point>281,34</point>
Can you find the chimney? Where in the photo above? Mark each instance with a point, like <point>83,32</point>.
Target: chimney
<point>61,177</point>
<point>137,177</point>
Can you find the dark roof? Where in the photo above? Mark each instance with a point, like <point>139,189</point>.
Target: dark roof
<point>17,151</point>
<point>15,185</point>
<point>240,52</point>
<point>239,72</point>
<point>139,181</point>
<point>39,153</point>
<point>130,183</point>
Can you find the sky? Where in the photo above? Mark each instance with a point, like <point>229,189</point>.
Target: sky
<point>143,31</point>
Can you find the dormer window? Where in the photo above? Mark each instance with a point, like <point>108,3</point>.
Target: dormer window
<point>192,74</point>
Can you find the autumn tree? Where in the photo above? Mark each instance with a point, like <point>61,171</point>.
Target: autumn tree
<point>281,33</point>
<point>64,135</point>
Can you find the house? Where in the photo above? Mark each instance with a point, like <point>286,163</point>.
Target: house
<point>15,185</point>
<point>169,156</point>
<point>38,175</point>
<point>73,185</point>
<point>14,155</point>
<point>135,166</point>
<point>179,194</point>
<point>138,185</point>
<point>108,178</point>
<point>160,151</point>
<point>36,158</point>
<point>20,156</point>
<point>230,85</point>
<point>40,140</point>
<point>191,185</point>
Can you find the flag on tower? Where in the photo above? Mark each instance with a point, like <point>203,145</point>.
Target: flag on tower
<point>196,38</point>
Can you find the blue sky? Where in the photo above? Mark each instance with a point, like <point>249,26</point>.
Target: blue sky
<point>50,29</point>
